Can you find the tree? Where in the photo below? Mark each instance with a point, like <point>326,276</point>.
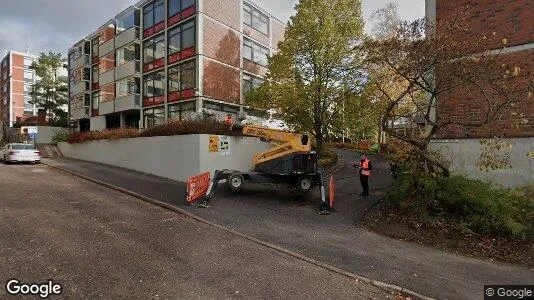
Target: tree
<point>318,67</point>
<point>50,92</point>
<point>437,67</point>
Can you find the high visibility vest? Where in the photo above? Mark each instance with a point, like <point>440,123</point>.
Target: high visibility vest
<point>365,165</point>
<point>229,121</point>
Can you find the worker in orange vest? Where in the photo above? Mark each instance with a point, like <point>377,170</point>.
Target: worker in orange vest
<point>229,120</point>
<point>365,172</point>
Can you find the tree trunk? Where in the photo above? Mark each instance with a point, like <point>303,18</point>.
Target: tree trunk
<point>320,144</point>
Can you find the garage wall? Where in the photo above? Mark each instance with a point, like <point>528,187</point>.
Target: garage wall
<point>174,157</point>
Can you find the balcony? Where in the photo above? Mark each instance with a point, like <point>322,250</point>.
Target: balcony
<point>78,88</point>
<point>80,113</point>
<point>127,69</point>
<point>128,102</point>
<point>80,62</point>
<point>107,77</point>
<point>106,47</point>
<point>107,107</point>
<point>126,37</point>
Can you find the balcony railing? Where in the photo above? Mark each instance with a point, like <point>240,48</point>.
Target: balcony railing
<point>127,69</point>
<point>127,36</point>
<point>128,102</point>
<point>81,61</point>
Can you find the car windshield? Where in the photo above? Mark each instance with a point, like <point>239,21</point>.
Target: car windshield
<point>23,147</point>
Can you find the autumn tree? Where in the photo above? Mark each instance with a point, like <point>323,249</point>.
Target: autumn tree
<point>318,67</point>
<point>438,67</point>
<point>50,92</point>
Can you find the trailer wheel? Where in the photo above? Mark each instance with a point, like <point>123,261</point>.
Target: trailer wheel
<point>304,184</point>
<point>235,181</point>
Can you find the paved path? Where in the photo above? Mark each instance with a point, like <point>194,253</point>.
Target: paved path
<point>289,219</point>
<point>99,243</point>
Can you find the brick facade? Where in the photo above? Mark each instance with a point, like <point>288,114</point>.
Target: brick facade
<point>513,20</point>
<point>221,82</point>
<point>227,12</point>
<point>221,43</point>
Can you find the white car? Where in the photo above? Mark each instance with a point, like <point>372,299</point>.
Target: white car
<point>20,153</point>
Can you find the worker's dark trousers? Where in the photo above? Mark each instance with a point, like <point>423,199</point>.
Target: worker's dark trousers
<point>365,184</point>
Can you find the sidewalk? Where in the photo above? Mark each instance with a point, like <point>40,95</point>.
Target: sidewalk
<point>290,220</point>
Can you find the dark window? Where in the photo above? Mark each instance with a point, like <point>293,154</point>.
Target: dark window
<point>126,21</point>
<point>182,77</point>
<point>174,7</point>
<point>182,37</point>
<point>255,19</point>
<point>251,82</point>
<point>255,52</point>
<point>153,13</point>
<point>153,85</point>
<point>181,111</point>
<point>154,49</point>
<point>154,116</point>
<point>221,107</point>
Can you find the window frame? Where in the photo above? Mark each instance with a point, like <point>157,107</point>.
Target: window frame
<point>151,78</point>
<point>251,14</point>
<point>255,48</point>
<point>150,9</point>
<point>180,69</point>
<point>146,115</point>
<point>153,47</point>
<point>181,108</point>
<point>179,31</point>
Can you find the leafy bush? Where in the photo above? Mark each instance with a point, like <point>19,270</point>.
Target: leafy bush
<point>328,158</point>
<point>205,126</point>
<point>467,203</point>
<point>60,136</point>
<point>168,129</point>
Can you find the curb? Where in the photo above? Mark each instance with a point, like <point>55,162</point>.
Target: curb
<point>378,284</point>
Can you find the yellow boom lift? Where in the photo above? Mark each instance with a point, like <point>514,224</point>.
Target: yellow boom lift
<point>291,162</point>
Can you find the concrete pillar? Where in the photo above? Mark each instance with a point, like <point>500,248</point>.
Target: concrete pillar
<point>123,120</point>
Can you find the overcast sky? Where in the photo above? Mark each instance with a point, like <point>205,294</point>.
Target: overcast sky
<point>55,25</point>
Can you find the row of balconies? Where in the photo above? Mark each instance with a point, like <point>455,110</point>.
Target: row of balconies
<point>131,68</point>
<point>125,103</point>
<point>120,40</point>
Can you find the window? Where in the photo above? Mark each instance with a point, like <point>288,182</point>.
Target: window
<point>28,61</point>
<point>255,52</point>
<point>96,74</point>
<point>153,85</point>
<point>95,47</point>
<point>27,89</point>
<point>176,6</point>
<point>128,86</point>
<point>127,21</point>
<point>182,37</point>
<point>255,19</point>
<point>95,99</point>
<point>221,107</point>
<point>154,116</point>
<point>28,103</point>
<point>182,77</point>
<point>28,75</point>
<point>181,111</point>
<point>153,14</point>
<point>128,53</point>
<point>154,49</point>
<point>251,82</point>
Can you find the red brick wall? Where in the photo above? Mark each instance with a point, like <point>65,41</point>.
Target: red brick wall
<point>225,11</point>
<point>17,74</point>
<point>221,43</point>
<point>510,19</point>
<point>256,35</point>
<point>463,104</point>
<point>221,82</point>
<point>277,31</point>
<point>18,60</point>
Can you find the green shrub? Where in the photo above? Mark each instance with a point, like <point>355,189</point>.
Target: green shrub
<point>328,158</point>
<point>467,203</point>
<point>60,135</point>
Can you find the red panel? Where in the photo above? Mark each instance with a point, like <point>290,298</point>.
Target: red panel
<point>95,60</point>
<point>173,97</point>
<point>174,19</point>
<point>188,52</point>
<point>189,12</point>
<point>148,102</point>
<point>175,57</point>
<point>148,32</point>
<point>159,27</point>
<point>153,65</point>
<point>189,93</point>
<point>94,112</point>
<point>159,100</point>
<point>95,86</point>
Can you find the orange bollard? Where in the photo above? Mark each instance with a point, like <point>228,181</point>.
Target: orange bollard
<point>332,191</point>
<point>197,186</point>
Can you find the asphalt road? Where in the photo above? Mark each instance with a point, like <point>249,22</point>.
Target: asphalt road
<point>289,219</point>
<point>98,243</point>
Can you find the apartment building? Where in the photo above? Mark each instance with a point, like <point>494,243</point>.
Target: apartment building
<point>162,60</point>
<point>496,20</point>
<point>16,80</point>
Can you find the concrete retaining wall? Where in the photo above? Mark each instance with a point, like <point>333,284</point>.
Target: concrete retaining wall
<point>45,133</point>
<point>173,157</point>
<point>464,155</point>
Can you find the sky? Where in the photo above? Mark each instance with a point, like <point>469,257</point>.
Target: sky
<point>55,25</point>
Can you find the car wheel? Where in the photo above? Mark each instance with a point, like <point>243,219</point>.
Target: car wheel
<point>304,184</point>
<point>235,181</point>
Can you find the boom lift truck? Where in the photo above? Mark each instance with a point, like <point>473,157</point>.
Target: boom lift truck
<point>291,162</point>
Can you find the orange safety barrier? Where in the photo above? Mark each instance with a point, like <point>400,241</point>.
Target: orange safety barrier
<point>332,191</point>
<point>197,186</point>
